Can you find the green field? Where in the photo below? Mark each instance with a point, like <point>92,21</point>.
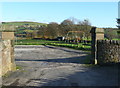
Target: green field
<point>23,23</point>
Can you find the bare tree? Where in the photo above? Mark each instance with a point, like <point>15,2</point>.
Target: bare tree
<point>85,26</point>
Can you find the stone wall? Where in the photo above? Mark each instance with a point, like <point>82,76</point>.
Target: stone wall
<point>108,51</point>
<point>6,54</point>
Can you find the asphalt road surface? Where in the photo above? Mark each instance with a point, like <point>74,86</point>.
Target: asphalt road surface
<point>56,66</point>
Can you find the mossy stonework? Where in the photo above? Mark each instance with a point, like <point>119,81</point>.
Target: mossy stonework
<point>108,51</point>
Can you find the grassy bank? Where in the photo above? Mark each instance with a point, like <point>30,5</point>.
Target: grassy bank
<point>79,46</point>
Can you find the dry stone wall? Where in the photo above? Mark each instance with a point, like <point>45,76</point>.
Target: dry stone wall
<point>108,51</point>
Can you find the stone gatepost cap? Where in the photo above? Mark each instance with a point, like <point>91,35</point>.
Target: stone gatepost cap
<point>97,30</point>
<point>7,28</point>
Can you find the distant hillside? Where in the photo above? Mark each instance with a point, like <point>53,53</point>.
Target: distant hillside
<point>23,23</point>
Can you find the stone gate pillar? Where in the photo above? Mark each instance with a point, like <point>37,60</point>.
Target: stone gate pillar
<point>96,34</point>
<point>9,35</point>
<point>0,61</point>
<point>7,49</point>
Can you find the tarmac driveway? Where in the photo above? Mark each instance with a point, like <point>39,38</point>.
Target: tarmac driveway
<point>56,66</point>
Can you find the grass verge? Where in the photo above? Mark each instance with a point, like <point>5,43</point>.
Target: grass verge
<point>18,67</point>
<point>79,46</point>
